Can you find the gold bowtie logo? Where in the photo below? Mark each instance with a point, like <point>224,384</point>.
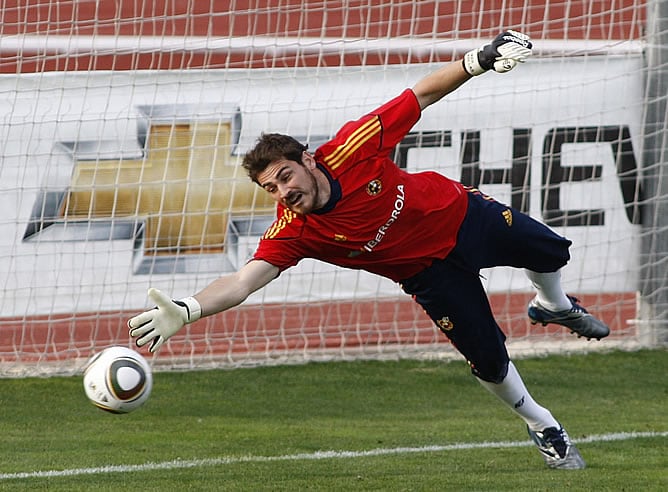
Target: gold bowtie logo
<point>184,188</point>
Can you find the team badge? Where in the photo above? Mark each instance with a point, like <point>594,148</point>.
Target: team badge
<point>445,324</point>
<point>374,187</point>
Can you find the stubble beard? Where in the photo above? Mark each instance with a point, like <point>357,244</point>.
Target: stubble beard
<point>314,198</point>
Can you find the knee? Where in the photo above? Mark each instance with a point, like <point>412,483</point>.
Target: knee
<point>490,372</point>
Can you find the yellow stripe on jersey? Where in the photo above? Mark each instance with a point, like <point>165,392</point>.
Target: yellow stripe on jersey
<point>279,224</point>
<point>356,139</point>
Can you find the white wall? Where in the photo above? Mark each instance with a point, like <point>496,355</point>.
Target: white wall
<point>43,276</point>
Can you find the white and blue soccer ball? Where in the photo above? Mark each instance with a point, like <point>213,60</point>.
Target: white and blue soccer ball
<point>118,380</point>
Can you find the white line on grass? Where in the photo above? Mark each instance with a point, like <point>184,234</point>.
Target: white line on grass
<point>318,455</point>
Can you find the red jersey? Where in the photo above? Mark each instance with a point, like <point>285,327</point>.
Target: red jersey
<point>380,218</point>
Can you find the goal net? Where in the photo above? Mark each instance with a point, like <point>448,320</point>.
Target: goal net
<point>123,124</point>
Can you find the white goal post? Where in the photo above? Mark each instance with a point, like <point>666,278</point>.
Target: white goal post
<point>123,126</point>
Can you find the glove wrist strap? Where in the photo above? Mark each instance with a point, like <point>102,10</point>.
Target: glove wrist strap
<point>472,63</point>
<point>192,306</point>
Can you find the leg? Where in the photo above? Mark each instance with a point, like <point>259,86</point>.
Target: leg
<point>493,234</point>
<point>546,432</point>
<point>549,293</point>
<point>552,305</point>
<point>515,395</point>
<point>455,300</point>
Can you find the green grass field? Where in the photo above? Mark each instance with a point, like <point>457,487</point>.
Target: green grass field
<point>408,425</point>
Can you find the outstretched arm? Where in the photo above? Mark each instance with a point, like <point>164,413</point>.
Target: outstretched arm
<point>157,325</point>
<point>501,55</point>
<point>231,290</point>
<point>440,83</point>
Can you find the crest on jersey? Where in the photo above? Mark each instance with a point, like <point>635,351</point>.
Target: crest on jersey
<point>374,187</point>
<point>445,324</point>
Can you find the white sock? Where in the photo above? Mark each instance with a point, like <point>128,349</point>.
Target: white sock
<point>515,395</point>
<point>548,290</point>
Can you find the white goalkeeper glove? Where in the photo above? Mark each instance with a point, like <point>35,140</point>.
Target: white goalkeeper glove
<point>507,50</point>
<point>163,321</point>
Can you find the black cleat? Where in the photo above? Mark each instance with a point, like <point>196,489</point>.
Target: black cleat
<point>577,319</point>
<point>557,449</point>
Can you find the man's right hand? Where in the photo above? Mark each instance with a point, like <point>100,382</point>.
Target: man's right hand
<point>160,323</point>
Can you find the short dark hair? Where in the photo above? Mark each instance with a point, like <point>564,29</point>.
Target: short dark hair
<point>271,147</point>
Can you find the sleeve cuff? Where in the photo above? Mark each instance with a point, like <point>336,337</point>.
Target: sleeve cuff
<point>193,307</point>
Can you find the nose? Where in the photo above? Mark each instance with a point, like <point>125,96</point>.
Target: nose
<point>282,191</point>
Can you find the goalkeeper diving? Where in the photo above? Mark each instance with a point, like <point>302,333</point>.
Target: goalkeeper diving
<point>348,204</point>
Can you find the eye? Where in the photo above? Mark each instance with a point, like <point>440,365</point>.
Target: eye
<point>285,176</point>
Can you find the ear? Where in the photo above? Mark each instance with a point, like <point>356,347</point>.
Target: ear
<point>308,160</point>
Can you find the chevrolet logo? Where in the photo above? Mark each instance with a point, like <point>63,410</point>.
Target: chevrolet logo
<point>182,188</point>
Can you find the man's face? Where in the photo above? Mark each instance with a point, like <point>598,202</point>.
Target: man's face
<point>292,184</point>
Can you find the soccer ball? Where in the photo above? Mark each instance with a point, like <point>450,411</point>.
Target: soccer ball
<point>118,380</point>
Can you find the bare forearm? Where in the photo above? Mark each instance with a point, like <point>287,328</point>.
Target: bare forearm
<point>221,294</point>
<point>440,83</point>
<point>231,290</point>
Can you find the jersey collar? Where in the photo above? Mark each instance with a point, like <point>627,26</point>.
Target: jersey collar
<point>335,194</point>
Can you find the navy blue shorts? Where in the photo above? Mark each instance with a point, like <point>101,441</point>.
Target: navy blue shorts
<point>452,294</point>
